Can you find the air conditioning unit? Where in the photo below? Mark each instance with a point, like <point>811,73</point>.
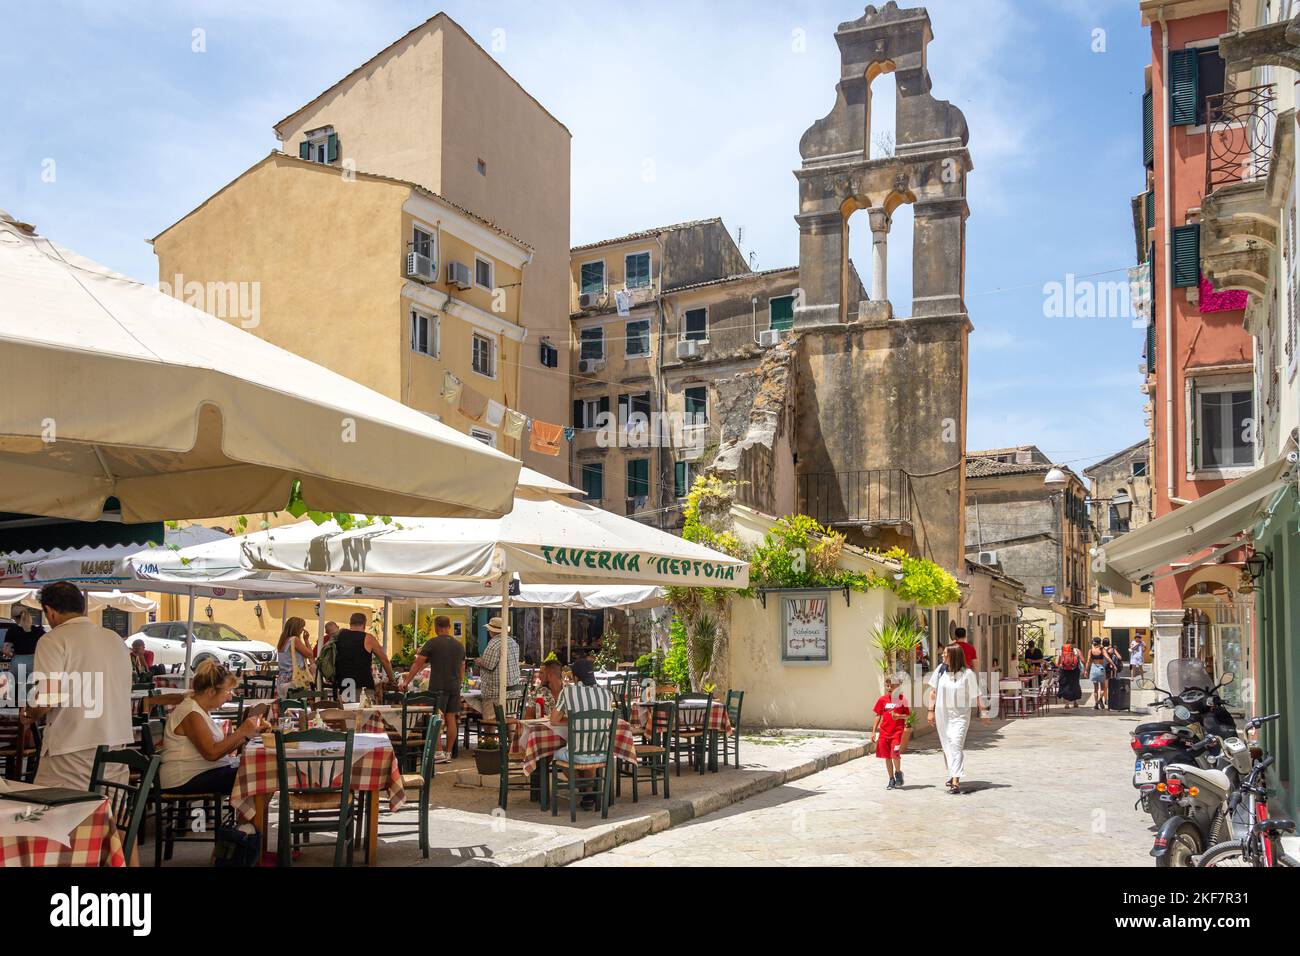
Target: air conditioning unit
<point>593,300</point>
<point>688,349</point>
<point>988,557</point>
<point>590,366</point>
<point>458,274</point>
<point>769,337</point>
<point>420,267</point>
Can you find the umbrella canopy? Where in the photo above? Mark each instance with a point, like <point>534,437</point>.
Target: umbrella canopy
<point>110,567</point>
<point>545,538</point>
<point>31,597</point>
<point>113,389</point>
<point>587,597</point>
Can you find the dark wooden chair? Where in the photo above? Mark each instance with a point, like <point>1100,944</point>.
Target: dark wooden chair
<point>315,782</point>
<point>422,782</point>
<point>730,742</point>
<point>512,760</point>
<point>691,735</point>
<point>419,709</point>
<point>652,753</point>
<point>127,801</point>
<point>590,747</point>
<point>20,747</point>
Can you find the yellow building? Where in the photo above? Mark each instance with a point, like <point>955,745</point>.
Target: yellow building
<point>376,278</point>
<point>434,108</point>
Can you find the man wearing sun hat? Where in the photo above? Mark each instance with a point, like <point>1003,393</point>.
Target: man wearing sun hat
<point>489,665</point>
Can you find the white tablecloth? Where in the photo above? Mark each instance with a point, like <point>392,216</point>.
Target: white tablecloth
<point>56,824</point>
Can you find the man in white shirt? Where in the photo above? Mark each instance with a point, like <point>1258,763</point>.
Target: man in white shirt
<point>82,685</point>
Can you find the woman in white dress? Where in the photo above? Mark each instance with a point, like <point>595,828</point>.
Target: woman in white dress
<point>955,692</point>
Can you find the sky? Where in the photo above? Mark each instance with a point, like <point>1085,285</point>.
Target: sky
<point>115,126</point>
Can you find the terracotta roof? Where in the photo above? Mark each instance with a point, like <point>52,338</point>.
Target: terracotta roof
<point>647,233</point>
<point>991,467</point>
<point>738,277</point>
<point>411,32</point>
<point>990,452</point>
<point>422,190</point>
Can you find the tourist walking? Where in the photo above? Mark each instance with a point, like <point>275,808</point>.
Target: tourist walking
<point>1069,671</point>
<point>294,654</point>
<point>353,674</point>
<point>954,694</point>
<point>887,733</point>
<point>445,657</point>
<point>1097,674</point>
<point>1136,656</point>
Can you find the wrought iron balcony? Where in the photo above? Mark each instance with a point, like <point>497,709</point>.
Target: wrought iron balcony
<point>877,497</point>
<point>1239,138</point>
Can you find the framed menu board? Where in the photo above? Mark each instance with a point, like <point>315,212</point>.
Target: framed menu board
<point>806,627</point>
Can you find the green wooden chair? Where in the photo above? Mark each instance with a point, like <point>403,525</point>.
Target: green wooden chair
<point>652,753</point>
<point>419,709</point>
<point>590,747</point>
<point>730,742</point>
<point>315,781</point>
<point>691,735</point>
<point>127,801</point>
<point>422,782</point>
<point>512,763</point>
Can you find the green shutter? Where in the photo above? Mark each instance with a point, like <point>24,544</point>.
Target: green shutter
<point>638,477</point>
<point>679,479</point>
<point>1184,87</point>
<point>304,150</point>
<point>1187,256</point>
<point>1150,209</point>
<point>1151,348</point>
<point>1148,131</point>
<point>332,148</point>
<point>782,313</point>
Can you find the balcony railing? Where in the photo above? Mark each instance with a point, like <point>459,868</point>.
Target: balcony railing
<point>1239,144</point>
<point>881,496</point>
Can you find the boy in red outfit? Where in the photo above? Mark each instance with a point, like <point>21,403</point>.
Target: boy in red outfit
<point>887,735</point>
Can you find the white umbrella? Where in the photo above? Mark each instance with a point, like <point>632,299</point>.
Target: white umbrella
<point>114,389</point>
<point>545,538</point>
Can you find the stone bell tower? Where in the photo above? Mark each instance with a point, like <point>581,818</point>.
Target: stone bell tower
<point>881,412</point>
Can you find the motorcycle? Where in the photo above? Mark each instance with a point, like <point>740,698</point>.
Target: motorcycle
<point>1205,803</point>
<point>1199,712</point>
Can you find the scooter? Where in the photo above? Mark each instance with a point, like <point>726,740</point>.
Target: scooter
<point>1198,711</point>
<point>1204,803</point>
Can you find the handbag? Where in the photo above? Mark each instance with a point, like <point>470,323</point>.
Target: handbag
<point>235,847</point>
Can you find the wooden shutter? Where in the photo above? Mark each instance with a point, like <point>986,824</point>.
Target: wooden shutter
<point>782,313</point>
<point>304,150</point>
<point>1187,256</point>
<point>604,405</point>
<point>332,148</point>
<point>577,414</point>
<point>1184,87</point>
<point>1148,130</point>
<point>1150,209</point>
<point>679,479</point>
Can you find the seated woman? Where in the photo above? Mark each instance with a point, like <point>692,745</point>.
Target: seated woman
<point>196,757</point>
<point>584,694</point>
<point>141,662</point>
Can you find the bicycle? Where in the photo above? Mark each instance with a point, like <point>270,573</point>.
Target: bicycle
<point>1261,847</point>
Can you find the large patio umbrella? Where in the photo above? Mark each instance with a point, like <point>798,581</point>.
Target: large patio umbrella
<point>545,539</point>
<point>113,389</point>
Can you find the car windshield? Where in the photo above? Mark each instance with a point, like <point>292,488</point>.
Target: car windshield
<point>222,633</point>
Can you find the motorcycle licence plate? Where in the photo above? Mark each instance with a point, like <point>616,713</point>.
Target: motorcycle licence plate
<point>1147,771</point>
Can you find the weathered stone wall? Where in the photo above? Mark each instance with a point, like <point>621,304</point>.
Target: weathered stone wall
<point>699,254</point>
<point>1024,529</point>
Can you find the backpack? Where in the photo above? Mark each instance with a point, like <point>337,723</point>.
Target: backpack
<point>325,662</point>
<point>1069,660</point>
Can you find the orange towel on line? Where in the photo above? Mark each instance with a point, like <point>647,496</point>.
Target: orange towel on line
<point>545,439</point>
<point>472,404</point>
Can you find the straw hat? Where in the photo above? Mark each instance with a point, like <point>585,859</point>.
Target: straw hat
<point>495,626</point>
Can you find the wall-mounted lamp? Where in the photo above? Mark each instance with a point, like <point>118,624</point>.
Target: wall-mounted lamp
<point>257,609</point>
<point>1258,563</point>
<point>208,611</point>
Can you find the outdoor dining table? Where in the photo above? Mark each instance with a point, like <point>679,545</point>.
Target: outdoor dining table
<point>374,769</point>
<point>539,739</point>
<point>382,718</point>
<point>91,837</point>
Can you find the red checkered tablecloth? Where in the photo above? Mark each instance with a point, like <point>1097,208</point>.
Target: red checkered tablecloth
<point>376,769</point>
<point>538,740</point>
<point>718,719</point>
<point>94,843</point>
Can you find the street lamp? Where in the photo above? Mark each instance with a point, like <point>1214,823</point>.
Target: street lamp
<point>1056,476</point>
<point>1257,564</point>
<point>1122,504</point>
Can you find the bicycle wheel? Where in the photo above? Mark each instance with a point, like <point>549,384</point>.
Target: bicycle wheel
<point>1229,853</point>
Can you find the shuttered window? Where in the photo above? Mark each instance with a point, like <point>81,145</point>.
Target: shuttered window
<point>593,277</point>
<point>593,481</point>
<point>1151,347</point>
<point>697,404</point>
<point>1150,209</point>
<point>684,473</point>
<point>638,477</point>
<point>1187,256</point>
<point>1184,87</point>
<point>1148,131</point>
<point>782,313</point>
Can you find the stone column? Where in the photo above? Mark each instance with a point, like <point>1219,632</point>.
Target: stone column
<point>880,223</point>
<point>1166,638</point>
<point>821,263</point>
<point>938,256</point>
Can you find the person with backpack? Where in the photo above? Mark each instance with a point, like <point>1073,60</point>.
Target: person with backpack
<point>1069,669</point>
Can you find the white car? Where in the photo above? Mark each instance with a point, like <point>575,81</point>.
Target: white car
<point>166,639</point>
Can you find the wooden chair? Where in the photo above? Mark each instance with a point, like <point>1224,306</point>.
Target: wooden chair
<point>258,687</point>
<point>512,760</point>
<point>314,781</point>
<point>590,747</point>
<point>652,753</point>
<point>1011,699</point>
<point>20,747</point>
<point>127,801</point>
<point>422,782</point>
<point>514,707</point>
<point>692,735</point>
<point>731,741</point>
<point>409,742</point>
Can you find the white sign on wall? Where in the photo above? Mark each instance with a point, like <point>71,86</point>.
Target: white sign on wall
<point>805,627</point>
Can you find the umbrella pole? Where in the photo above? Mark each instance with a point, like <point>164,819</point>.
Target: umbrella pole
<point>568,640</point>
<point>541,629</point>
<point>189,639</point>
<point>320,628</point>
<point>386,645</point>
<point>503,666</point>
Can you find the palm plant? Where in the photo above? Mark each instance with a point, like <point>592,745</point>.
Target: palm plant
<point>897,639</point>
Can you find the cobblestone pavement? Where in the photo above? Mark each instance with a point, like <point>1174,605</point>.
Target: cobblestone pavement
<point>1046,791</point>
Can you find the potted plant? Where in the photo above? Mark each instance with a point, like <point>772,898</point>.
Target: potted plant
<point>487,757</point>
<point>908,723</point>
